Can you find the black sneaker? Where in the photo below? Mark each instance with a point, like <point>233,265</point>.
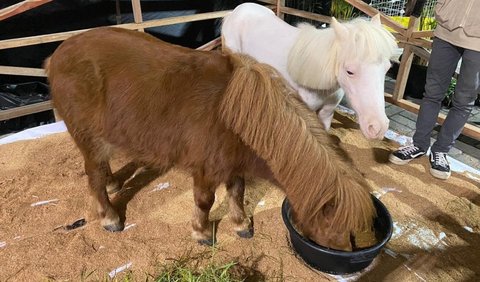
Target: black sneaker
<point>405,154</point>
<point>440,168</point>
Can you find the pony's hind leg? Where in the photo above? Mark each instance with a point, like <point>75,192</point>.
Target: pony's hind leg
<point>104,150</point>
<point>204,195</point>
<point>96,154</point>
<point>236,192</point>
<point>113,185</point>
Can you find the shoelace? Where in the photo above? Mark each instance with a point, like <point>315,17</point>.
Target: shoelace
<point>408,150</point>
<point>441,159</point>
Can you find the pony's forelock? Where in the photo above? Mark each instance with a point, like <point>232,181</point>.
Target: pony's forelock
<point>369,41</point>
<point>313,53</point>
<point>315,57</point>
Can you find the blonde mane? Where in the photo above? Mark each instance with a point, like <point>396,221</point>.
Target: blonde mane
<point>315,57</point>
<point>269,117</point>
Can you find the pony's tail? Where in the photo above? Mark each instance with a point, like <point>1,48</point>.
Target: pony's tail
<point>46,66</point>
<point>47,69</point>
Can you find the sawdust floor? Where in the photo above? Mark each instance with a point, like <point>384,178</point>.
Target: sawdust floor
<point>436,223</point>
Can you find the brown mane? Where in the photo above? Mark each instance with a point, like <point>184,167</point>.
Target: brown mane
<point>284,132</point>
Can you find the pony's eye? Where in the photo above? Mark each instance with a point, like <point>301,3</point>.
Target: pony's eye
<point>349,72</point>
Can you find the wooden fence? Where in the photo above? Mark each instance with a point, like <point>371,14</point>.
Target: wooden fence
<point>410,39</point>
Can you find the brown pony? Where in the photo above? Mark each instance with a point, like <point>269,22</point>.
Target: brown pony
<point>221,117</point>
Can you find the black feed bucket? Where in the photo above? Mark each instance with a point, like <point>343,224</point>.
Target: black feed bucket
<point>334,261</point>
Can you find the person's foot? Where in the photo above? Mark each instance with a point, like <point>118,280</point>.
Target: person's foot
<point>405,154</point>
<point>440,168</point>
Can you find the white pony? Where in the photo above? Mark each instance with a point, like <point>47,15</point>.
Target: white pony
<point>320,63</point>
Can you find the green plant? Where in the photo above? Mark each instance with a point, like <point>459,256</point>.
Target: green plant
<point>427,23</point>
<point>184,270</point>
<point>427,19</point>
<point>342,10</point>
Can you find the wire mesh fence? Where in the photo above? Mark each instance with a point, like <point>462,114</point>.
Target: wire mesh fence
<point>344,11</point>
<point>397,7</point>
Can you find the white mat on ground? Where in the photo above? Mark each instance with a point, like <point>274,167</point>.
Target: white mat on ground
<point>35,132</point>
<point>57,127</point>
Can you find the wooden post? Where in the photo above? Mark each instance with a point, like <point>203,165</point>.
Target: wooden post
<point>280,4</point>
<point>414,8</point>
<point>406,62</point>
<point>118,13</point>
<point>137,13</point>
<point>409,7</point>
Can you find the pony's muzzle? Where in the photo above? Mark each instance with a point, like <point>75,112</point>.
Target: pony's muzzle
<point>375,129</point>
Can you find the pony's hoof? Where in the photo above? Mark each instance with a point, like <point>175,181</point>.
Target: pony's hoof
<point>114,227</point>
<point>247,234</point>
<point>206,242</point>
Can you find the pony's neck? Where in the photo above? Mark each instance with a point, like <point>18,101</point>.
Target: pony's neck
<point>312,61</point>
<point>271,119</point>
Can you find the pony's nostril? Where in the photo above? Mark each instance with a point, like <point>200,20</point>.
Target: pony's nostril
<point>374,130</point>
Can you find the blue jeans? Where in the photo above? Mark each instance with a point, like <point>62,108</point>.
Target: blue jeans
<point>442,64</point>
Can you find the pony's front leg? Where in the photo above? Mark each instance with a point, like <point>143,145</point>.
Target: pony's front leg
<point>204,195</point>
<point>98,178</point>
<point>236,191</point>
<point>325,114</point>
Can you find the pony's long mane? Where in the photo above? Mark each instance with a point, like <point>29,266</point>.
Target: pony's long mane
<point>315,57</point>
<point>269,117</point>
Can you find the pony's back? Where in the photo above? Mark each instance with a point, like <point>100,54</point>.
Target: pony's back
<point>165,89</point>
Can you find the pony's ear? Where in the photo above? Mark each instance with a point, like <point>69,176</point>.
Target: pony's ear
<point>376,20</point>
<point>340,30</point>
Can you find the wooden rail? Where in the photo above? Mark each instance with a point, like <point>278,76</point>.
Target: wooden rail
<point>22,71</point>
<point>469,129</point>
<point>413,42</point>
<point>25,110</point>
<point>39,39</point>
<point>306,15</point>
<point>20,8</point>
<point>386,20</point>
<point>60,36</point>
<point>47,105</point>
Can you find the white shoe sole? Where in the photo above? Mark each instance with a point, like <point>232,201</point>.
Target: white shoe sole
<point>395,160</point>
<point>440,174</point>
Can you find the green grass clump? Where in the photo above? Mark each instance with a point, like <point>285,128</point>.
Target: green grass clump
<point>182,271</point>
<point>193,266</point>
<point>178,270</point>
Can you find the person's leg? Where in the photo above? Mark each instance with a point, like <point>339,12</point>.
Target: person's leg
<point>442,64</point>
<point>466,92</point>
